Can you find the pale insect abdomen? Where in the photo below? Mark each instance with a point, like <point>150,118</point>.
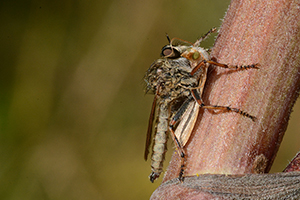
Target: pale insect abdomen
<point>160,142</point>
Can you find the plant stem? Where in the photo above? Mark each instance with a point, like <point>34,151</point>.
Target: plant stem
<point>253,31</point>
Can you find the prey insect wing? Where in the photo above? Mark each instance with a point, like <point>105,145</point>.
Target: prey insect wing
<point>186,125</point>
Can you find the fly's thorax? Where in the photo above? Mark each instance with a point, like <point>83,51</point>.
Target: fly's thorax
<point>196,55</point>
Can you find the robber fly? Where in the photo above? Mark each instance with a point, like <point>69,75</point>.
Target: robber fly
<point>177,81</point>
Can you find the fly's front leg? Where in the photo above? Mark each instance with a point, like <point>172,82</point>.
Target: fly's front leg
<point>197,43</point>
<point>178,144</point>
<point>202,63</point>
<point>222,108</point>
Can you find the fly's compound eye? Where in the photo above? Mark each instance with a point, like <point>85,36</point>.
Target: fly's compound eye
<point>169,52</point>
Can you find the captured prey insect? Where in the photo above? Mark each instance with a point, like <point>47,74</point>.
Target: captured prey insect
<point>177,81</point>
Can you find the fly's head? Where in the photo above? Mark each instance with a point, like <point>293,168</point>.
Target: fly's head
<point>175,48</point>
<point>172,51</point>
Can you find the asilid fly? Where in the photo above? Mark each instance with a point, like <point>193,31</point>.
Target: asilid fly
<point>177,81</point>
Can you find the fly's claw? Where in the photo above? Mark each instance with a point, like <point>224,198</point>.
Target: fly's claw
<point>245,114</point>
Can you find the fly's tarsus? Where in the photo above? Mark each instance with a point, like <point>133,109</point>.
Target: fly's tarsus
<point>242,113</point>
<point>180,176</point>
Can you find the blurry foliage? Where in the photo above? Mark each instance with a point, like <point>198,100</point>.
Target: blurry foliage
<point>73,111</point>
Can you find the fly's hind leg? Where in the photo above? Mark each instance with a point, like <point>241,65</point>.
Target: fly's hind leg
<point>229,109</point>
<point>178,144</point>
<point>222,108</point>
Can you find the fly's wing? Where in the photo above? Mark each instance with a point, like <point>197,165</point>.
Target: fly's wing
<point>150,127</point>
<point>187,123</point>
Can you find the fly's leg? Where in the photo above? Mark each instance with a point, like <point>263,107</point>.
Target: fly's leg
<point>204,37</point>
<point>242,67</point>
<point>216,107</point>
<point>255,66</point>
<point>178,144</point>
<point>197,96</point>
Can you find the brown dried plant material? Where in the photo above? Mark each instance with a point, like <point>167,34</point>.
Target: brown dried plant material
<point>220,186</point>
<point>259,164</point>
<point>254,31</point>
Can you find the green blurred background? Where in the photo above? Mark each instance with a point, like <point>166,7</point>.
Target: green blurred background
<point>72,109</point>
